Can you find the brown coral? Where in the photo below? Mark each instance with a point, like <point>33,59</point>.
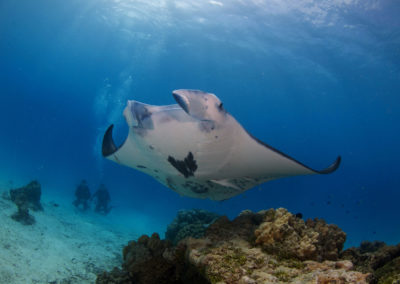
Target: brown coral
<point>144,261</point>
<point>150,260</point>
<point>241,227</point>
<point>288,236</point>
<point>237,261</point>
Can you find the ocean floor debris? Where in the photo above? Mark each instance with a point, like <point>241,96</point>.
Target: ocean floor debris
<point>270,246</point>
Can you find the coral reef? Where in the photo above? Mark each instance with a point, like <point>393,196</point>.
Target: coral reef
<point>242,227</point>
<point>271,246</point>
<point>189,223</point>
<point>389,273</point>
<point>152,261</point>
<point>144,261</point>
<point>27,197</point>
<point>382,261</point>
<point>284,234</point>
<point>237,261</point>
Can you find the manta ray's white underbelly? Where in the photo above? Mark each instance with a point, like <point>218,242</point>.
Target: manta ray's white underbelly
<point>159,152</point>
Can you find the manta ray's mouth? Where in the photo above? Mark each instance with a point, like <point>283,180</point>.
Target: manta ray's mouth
<point>138,115</point>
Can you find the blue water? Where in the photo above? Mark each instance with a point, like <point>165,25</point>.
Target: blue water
<point>314,79</point>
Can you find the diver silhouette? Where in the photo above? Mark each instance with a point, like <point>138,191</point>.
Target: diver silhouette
<point>82,194</point>
<point>102,200</point>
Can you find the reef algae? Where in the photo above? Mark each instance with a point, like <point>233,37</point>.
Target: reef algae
<point>249,249</point>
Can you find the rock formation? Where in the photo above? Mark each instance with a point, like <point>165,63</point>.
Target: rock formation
<point>26,197</point>
<point>29,194</point>
<point>377,258</point>
<point>288,236</point>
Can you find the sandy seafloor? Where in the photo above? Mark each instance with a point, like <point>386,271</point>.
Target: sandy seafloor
<point>65,245</point>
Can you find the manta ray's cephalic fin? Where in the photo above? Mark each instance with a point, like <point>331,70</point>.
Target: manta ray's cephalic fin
<point>108,146</point>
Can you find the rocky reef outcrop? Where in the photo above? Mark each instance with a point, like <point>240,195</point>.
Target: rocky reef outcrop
<point>270,246</point>
<point>189,223</point>
<point>282,233</point>
<point>152,261</point>
<point>377,258</point>
<point>237,261</point>
<point>389,273</point>
<point>26,197</point>
<point>29,194</point>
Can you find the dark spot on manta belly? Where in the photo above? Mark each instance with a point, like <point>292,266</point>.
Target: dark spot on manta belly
<point>141,167</point>
<point>187,167</point>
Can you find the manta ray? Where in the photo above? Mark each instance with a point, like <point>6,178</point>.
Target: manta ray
<point>196,148</point>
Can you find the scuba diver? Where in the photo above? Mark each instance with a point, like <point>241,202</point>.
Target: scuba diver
<point>102,200</point>
<point>82,194</point>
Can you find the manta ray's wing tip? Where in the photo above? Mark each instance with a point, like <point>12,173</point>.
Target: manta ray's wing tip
<point>332,167</point>
<point>108,145</point>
